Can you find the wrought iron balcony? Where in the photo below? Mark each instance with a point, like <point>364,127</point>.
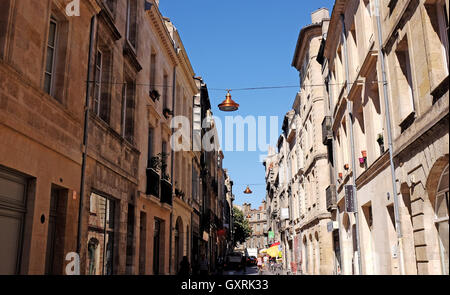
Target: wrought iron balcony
<point>152,183</point>
<point>327,132</point>
<point>166,192</point>
<point>331,197</point>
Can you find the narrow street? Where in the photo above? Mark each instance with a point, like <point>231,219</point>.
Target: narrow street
<point>253,271</point>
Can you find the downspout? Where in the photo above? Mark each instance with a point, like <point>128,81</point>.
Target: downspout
<point>334,178</point>
<point>171,168</point>
<point>352,144</point>
<point>85,133</point>
<point>391,150</point>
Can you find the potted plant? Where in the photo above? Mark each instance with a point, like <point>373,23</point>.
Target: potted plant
<point>155,163</point>
<point>340,175</point>
<point>364,154</point>
<point>154,95</point>
<point>167,112</point>
<point>380,141</point>
<point>346,166</point>
<point>179,193</point>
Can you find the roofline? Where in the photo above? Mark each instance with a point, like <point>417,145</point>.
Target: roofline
<point>301,36</point>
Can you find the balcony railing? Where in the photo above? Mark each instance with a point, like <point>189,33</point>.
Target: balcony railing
<point>152,183</point>
<point>331,197</point>
<point>327,133</point>
<point>166,192</point>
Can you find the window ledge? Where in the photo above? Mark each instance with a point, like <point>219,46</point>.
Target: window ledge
<point>107,16</point>
<point>130,52</point>
<point>440,89</point>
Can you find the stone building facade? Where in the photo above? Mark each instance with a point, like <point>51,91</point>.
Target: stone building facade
<point>311,172</point>
<point>99,149</point>
<point>402,231</point>
<point>300,169</point>
<point>41,127</point>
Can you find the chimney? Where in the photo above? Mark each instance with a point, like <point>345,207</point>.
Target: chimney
<point>319,15</point>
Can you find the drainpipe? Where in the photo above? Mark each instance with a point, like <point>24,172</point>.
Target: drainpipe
<point>391,150</point>
<point>171,168</point>
<point>334,178</point>
<point>352,144</point>
<point>85,133</point>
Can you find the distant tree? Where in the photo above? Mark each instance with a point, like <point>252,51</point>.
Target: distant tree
<point>242,230</point>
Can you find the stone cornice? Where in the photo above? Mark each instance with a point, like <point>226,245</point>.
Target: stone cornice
<point>312,30</point>
<point>334,28</point>
<point>155,19</point>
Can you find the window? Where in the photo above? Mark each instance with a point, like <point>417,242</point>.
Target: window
<point>150,146</point>
<point>110,4</point>
<point>442,219</point>
<point>165,91</point>
<point>128,102</point>
<point>98,81</point>
<point>51,57</point>
<point>132,22</point>
<point>437,26</point>
<point>5,6</point>
<point>152,71</point>
<point>404,80</point>
<point>56,49</point>
<point>101,95</point>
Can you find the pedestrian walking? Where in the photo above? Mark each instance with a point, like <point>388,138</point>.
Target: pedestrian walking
<point>266,261</point>
<point>260,262</point>
<point>185,267</point>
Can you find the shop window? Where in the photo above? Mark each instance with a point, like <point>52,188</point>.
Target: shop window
<point>101,236</point>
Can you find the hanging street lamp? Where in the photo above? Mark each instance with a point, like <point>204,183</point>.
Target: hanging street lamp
<point>228,105</point>
<point>248,191</point>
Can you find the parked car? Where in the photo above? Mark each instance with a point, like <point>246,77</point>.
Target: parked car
<point>233,261</point>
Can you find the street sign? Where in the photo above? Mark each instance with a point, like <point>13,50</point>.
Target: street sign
<point>271,235</point>
<point>349,201</point>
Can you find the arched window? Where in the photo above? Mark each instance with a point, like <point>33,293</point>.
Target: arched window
<point>441,218</point>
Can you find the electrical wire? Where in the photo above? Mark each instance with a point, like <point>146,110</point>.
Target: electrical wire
<point>242,89</point>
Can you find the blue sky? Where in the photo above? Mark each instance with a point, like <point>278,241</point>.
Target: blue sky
<point>242,44</point>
